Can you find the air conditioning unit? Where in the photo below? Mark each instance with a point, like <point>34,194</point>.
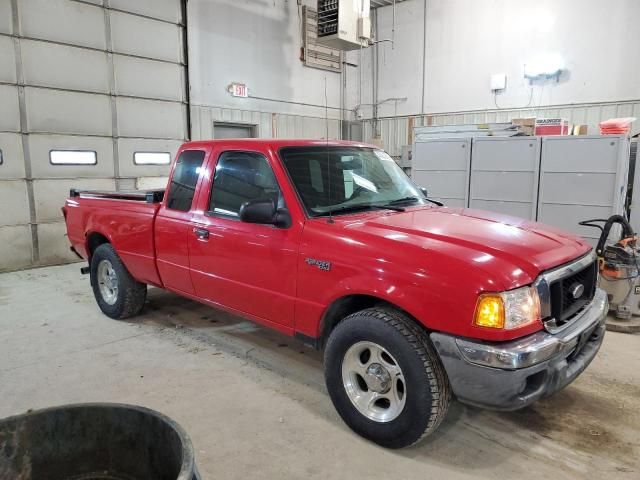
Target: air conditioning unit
<point>344,24</point>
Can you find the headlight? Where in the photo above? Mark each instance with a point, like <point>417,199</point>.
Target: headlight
<point>508,310</point>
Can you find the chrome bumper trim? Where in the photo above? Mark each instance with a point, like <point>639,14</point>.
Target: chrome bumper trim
<point>538,347</point>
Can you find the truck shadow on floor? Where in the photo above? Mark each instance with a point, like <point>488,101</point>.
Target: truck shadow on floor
<point>577,424</point>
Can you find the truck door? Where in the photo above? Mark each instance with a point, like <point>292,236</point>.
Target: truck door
<point>173,222</point>
<point>245,267</point>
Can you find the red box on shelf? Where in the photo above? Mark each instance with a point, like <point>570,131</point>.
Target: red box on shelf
<point>552,126</point>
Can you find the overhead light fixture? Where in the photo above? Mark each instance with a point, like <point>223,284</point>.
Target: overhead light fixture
<point>544,66</point>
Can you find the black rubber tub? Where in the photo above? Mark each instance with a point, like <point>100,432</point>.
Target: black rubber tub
<point>99,441</point>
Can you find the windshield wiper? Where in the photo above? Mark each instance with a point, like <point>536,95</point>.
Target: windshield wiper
<point>357,208</point>
<point>404,200</point>
<point>414,200</point>
<point>388,207</point>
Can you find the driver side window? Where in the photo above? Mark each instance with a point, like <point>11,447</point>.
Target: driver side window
<point>240,177</point>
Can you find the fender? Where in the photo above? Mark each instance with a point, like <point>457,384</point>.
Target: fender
<point>133,239</point>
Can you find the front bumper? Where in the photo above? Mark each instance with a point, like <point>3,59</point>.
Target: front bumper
<point>511,375</point>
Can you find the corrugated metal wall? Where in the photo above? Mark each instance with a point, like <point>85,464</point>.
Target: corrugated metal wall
<point>104,76</point>
<point>268,125</point>
<point>395,132</point>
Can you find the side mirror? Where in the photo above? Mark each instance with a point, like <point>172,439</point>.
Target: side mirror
<point>264,212</point>
<point>424,192</point>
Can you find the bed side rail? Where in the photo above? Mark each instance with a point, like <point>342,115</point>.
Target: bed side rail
<point>148,196</point>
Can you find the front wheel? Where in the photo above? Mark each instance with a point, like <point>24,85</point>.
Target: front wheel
<point>384,377</point>
<point>117,293</point>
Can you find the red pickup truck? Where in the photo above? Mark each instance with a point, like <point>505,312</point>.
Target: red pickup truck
<point>412,302</point>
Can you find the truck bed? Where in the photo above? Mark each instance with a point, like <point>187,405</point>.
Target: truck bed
<point>125,218</point>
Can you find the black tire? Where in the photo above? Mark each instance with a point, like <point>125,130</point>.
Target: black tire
<point>428,393</point>
<point>131,294</point>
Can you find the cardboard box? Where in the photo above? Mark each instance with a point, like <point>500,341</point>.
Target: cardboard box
<point>579,130</point>
<point>552,126</point>
<point>525,125</point>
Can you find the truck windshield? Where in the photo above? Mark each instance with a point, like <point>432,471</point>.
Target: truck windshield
<point>348,179</point>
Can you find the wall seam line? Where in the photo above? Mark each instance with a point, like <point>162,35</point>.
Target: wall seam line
<point>112,91</point>
<point>24,129</point>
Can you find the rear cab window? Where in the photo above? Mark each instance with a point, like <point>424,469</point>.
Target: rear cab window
<point>185,177</point>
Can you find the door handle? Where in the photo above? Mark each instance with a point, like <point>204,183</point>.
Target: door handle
<point>201,233</point>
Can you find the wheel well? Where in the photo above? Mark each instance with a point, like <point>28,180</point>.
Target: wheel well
<point>94,240</point>
<point>346,306</point>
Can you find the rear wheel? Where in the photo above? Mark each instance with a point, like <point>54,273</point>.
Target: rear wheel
<point>118,294</point>
<point>384,378</point>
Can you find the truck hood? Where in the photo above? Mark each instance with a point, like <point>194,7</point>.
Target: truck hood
<point>514,249</point>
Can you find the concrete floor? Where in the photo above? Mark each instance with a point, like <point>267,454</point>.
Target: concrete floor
<point>254,401</point>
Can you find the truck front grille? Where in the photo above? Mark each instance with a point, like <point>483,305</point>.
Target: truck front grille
<point>569,295</point>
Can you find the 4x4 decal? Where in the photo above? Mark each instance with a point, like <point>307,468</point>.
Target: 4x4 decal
<point>321,264</point>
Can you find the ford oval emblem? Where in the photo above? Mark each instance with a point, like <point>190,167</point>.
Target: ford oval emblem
<point>577,290</point>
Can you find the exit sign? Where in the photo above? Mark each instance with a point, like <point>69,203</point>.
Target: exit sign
<point>238,90</point>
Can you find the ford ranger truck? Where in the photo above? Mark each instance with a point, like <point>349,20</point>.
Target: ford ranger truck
<point>412,303</point>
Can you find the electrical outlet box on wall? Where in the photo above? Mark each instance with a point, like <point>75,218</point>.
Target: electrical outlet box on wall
<point>498,82</point>
<point>364,29</point>
<point>344,24</point>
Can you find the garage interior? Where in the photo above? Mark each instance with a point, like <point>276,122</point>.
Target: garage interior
<point>492,105</point>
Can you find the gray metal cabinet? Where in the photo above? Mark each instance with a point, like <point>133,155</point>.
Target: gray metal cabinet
<point>582,177</point>
<point>442,166</point>
<point>504,175</point>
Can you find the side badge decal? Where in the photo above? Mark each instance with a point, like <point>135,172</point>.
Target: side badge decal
<point>321,264</point>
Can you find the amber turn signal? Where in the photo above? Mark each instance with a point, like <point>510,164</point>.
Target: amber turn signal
<point>489,311</point>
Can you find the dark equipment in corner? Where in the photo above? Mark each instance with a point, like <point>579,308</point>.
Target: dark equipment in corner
<point>619,269</point>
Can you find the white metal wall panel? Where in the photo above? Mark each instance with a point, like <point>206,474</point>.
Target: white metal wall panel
<point>63,21</point>
<point>295,126</point>
<point>53,65</point>
<point>9,109</point>
<point>148,78</point>
<point>286,126</point>
<point>54,111</point>
<point>88,86</point>
<point>442,167</point>
<point>6,23</point>
<point>13,201</point>
<point>53,245</point>
<point>128,146</point>
<point>150,183</point>
<point>144,37</point>
<point>226,115</point>
<point>504,175</point>
<point>16,245</point>
<point>168,10</point>
<point>7,60</point>
<point>40,146</point>
<point>581,178</point>
<point>393,133</point>
<point>150,118</point>
<point>12,156</point>
<point>203,118</point>
<point>49,195</point>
